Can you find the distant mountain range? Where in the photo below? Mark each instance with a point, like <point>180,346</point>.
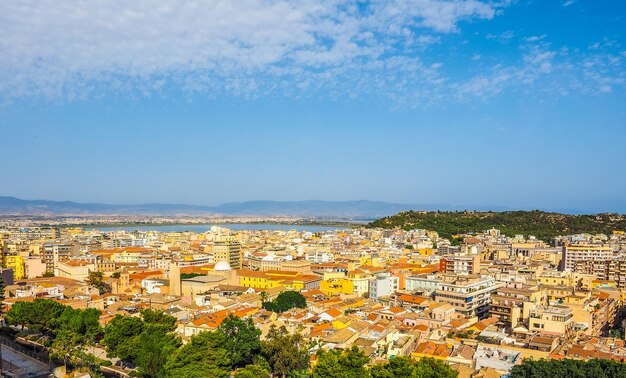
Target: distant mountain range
<point>313,209</point>
<point>340,209</point>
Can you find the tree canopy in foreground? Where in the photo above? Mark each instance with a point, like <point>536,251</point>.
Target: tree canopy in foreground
<point>234,349</point>
<point>594,368</point>
<point>352,364</point>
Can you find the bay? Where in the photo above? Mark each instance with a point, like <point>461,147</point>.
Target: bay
<point>200,228</point>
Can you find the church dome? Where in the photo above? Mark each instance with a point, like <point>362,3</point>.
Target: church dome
<point>222,266</point>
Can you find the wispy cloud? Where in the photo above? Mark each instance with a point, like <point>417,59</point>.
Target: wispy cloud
<point>61,49</point>
<point>502,37</point>
<point>535,38</point>
<point>57,48</point>
<point>543,69</point>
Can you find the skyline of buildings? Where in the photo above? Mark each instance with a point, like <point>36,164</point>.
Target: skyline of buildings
<point>390,292</point>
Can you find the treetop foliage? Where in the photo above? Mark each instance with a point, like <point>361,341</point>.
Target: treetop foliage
<point>286,301</point>
<point>353,363</point>
<point>543,225</point>
<point>234,349</point>
<point>594,368</point>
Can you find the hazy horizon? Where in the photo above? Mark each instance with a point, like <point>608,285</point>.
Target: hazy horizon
<point>417,206</point>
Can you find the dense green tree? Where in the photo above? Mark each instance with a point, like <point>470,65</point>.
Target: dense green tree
<point>432,368</point>
<point>81,322</point>
<point>396,367</point>
<point>76,330</point>
<point>41,315</point>
<point>18,314</point>
<point>594,368</point>
<point>69,347</point>
<point>400,367</point>
<point>45,315</point>
<point>252,371</point>
<point>286,353</point>
<point>259,360</point>
<point>203,356</point>
<point>121,337</point>
<point>159,318</point>
<point>341,364</point>
<point>242,340</point>
<point>70,330</point>
<point>147,341</point>
<point>542,224</point>
<point>156,346</point>
<point>286,301</point>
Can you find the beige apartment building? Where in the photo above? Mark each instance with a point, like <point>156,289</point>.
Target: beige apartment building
<point>580,252</point>
<point>229,251</point>
<point>55,252</point>
<point>555,320</point>
<point>469,295</point>
<point>269,263</point>
<point>512,305</point>
<point>74,269</point>
<point>613,270</point>
<point>593,315</point>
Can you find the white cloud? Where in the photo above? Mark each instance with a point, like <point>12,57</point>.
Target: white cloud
<point>535,38</point>
<point>62,47</point>
<point>502,37</point>
<point>544,70</point>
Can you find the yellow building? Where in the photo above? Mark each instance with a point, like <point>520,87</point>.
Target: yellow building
<point>16,262</point>
<point>256,279</point>
<point>360,281</point>
<point>603,284</point>
<point>337,286</point>
<point>274,278</point>
<point>425,251</point>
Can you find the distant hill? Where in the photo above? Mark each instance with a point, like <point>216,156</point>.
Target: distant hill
<point>12,205</point>
<point>543,225</point>
<point>328,209</point>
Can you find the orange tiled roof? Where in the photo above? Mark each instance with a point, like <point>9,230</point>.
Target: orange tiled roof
<point>333,312</point>
<point>144,275</point>
<point>433,349</point>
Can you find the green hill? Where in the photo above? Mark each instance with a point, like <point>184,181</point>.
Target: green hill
<point>541,224</point>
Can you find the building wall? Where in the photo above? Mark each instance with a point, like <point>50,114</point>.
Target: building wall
<point>34,267</point>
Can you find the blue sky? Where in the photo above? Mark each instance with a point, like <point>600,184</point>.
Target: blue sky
<point>512,103</point>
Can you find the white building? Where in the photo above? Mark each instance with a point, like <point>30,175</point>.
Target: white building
<point>423,282</point>
<point>469,295</point>
<point>383,285</point>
